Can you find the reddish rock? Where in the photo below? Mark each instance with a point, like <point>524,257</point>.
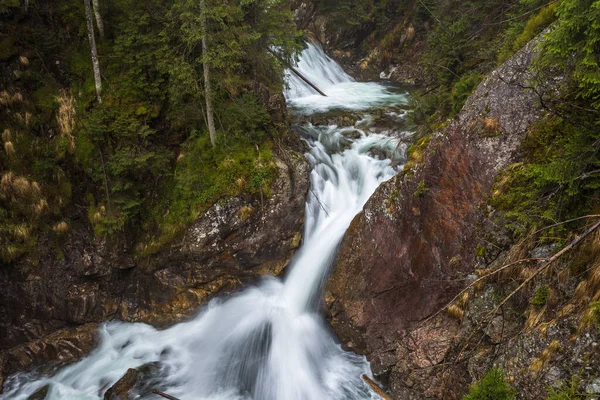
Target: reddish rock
<point>417,235</point>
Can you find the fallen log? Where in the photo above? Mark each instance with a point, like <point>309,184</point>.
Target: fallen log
<point>166,396</point>
<point>375,387</point>
<point>300,75</point>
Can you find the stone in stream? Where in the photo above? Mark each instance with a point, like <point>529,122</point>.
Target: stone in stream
<point>120,390</point>
<point>40,394</point>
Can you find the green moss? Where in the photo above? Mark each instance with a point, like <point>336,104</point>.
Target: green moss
<point>422,189</point>
<point>415,153</point>
<point>493,386</point>
<point>480,251</point>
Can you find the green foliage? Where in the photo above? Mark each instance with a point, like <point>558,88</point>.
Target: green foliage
<point>463,88</point>
<point>573,47</point>
<point>491,387</point>
<point>140,158</point>
<point>520,33</point>
<point>204,175</point>
<point>566,391</point>
<point>557,180</point>
<point>6,5</point>
<point>541,296</point>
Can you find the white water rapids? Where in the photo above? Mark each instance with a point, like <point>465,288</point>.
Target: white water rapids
<point>268,342</point>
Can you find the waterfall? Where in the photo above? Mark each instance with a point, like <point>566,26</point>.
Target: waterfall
<point>268,342</point>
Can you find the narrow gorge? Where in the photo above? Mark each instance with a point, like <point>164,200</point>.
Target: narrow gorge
<point>299,200</point>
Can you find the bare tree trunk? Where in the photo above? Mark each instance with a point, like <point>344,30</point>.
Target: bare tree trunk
<point>99,23</point>
<point>207,87</point>
<point>94,50</point>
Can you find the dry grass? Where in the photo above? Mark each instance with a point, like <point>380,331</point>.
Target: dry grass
<point>17,98</point>
<point>66,117</point>
<point>588,319</point>
<point>180,157</point>
<point>9,148</point>
<point>21,186</point>
<point>491,125</point>
<point>36,189</point>
<point>21,232</point>
<point>246,212</point>
<point>5,98</point>
<point>410,33</point>
<point>241,183</point>
<point>534,316</point>
<point>454,311</point>
<point>12,252</point>
<point>60,227</point>
<point>24,61</point>
<point>7,180</point>
<point>538,364</point>
<point>566,310</point>
<point>7,135</point>
<point>40,207</point>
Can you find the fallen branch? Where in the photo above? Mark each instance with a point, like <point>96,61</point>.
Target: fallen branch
<point>375,387</point>
<point>479,280</point>
<point>551,260</point>
<point>166,396</point>
<point>565,222</point>
<point>295,71</point>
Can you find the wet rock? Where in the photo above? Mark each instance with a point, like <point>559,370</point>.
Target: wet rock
<point>352,134</point>
<point>40,394</point>
<point>120,390</point>
<point>62,347</point>
<point>395,268</point>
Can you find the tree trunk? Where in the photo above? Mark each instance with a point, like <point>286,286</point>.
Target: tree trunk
<point>210,120</point>
<point>99,23</point>
<point>93,49</point>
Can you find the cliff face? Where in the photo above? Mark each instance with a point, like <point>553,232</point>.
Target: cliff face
<point>50,313</point>
<point>414,244</point>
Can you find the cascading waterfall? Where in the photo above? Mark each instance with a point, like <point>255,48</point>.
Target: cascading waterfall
<point>268,342</point>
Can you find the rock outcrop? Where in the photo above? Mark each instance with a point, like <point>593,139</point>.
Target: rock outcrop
<point>414,244</point>
<point>49,313</point>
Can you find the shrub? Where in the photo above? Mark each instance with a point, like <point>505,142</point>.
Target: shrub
<point>541,296</point>
<point>566,391</point>
<point>493,386</point>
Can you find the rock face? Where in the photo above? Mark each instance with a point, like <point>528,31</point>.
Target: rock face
<point>417,235</point>
<point>120,390</point>
<point>233,243</point>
